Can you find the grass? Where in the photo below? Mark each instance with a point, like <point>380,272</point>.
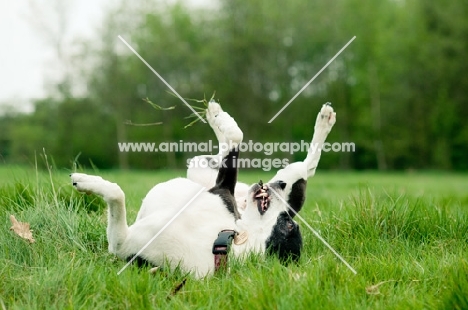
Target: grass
<point>404,233</point>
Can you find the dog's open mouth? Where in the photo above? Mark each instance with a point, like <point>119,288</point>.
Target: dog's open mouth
<point>263,198</point>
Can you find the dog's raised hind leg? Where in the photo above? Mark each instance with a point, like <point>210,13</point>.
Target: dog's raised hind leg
<point>117,228</point>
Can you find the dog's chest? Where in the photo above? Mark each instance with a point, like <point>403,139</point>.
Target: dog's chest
<point>257,232</point>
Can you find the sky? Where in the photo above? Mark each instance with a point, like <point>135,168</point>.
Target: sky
<point>27,59</point>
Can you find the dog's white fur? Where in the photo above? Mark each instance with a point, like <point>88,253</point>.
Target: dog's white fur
<point>188,240</point>
<point>198,172</point>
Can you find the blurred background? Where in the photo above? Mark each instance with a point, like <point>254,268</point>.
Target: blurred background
<point>70,87</point>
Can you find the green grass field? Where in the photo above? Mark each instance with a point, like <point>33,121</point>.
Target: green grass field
<point>405,234</point>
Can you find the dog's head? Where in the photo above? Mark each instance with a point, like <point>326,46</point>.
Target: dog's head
<point>266,197</point>
<point>266,203</point>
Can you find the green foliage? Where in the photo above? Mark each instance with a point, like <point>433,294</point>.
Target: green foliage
<point>456,296</point>
<point>16,195</point>
<point>400,89</point>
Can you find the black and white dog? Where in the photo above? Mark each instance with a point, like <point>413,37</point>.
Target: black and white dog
<point>187,214</point>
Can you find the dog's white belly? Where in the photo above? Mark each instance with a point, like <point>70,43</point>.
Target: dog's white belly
<point>189,238</point>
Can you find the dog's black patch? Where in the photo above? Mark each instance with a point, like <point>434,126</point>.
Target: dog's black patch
<point>140,262</point>
<point>297,196</point>
<point>226,182</point>
<point>228,200</point>
<point>285,240</point>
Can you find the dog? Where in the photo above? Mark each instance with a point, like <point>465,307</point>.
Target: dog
<point>190,222</point>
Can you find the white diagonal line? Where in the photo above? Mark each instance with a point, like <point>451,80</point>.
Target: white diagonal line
<point>161,230</point>
<point>161,78</point>
<point>312,79</point>
<point>315,232</point>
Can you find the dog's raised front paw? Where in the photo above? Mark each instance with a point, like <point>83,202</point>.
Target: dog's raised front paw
<point>212,112</point>
<point>326,118</point>
<point>228,127</point>
<point>224,126</point>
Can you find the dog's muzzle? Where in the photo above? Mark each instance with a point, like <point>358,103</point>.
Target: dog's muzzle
<point>262,196</point>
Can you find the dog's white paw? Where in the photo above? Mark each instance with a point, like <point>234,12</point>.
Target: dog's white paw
<point>92,184</point>
<point>224,126</point>
<point>212,111</point>
<point>326,118</point>
<point>84,183</point>
<point>233,135</point>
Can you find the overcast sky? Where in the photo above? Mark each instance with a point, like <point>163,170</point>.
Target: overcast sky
<point>26,58</point>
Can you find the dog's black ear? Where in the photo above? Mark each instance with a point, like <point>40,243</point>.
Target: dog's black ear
<point>297,196</point>
<point>285,240</point>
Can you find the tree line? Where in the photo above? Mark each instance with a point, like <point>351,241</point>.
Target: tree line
<point>399,89</point>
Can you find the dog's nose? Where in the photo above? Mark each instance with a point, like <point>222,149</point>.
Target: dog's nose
<point>282,184</point>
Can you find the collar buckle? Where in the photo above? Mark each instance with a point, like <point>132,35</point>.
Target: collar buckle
<point>221,247</point>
